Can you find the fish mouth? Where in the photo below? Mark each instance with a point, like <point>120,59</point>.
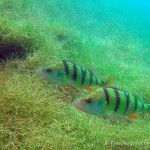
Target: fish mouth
<point>81,107</point>
<point>78,105</point>
<point>40,73</point>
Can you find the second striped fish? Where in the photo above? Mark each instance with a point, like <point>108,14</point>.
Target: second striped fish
<point>111,103</point>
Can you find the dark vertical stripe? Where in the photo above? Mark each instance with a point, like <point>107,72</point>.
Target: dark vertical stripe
<point>96,80</point>
<point>127,101</point>
<point>117,100</point>
<point>74,77</point>
<point>91,78</point>
<point>102,82</point>
<point>66,67</point>
<point>136,104</point>
<point>142,105</point>
<point>83,75</point>
<point>106,95</point>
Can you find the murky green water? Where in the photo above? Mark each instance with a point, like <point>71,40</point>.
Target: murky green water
<point>111,38</point>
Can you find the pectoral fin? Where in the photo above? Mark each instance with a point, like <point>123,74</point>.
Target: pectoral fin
<point>133,116</point>
<point>69,87</point>
<point>89,88</point>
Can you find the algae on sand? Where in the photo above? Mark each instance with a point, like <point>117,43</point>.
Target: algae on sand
<point>38,115</point>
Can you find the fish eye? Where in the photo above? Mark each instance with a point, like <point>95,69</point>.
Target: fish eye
<point>89,100</point>
<point>49,70</point>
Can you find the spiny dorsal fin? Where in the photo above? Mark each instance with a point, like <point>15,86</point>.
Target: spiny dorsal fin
<point>113,87</point>
<point>139,97</point>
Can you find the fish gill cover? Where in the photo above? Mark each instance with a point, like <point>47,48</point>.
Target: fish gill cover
<point>109,37</point>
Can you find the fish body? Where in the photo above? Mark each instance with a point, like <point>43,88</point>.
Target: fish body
<point>110,103</point>
<point>66,73</point>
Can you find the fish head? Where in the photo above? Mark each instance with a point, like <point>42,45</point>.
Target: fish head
<point>52,73</point>
<point>92,103</point>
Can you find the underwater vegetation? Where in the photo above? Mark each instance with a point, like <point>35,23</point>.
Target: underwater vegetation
<point>35,114</point>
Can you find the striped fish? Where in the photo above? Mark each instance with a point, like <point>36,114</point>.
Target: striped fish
<point>66,73</point>
<point>111,103</point>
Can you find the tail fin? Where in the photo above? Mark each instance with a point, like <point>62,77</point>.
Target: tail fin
<point>147,107</point>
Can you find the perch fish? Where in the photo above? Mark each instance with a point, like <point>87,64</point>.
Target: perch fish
<point>69,74</point>
<point>111,103</point>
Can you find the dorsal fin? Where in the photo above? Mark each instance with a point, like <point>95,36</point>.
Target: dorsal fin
<point>139,97</point>
<point>113,87</point>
